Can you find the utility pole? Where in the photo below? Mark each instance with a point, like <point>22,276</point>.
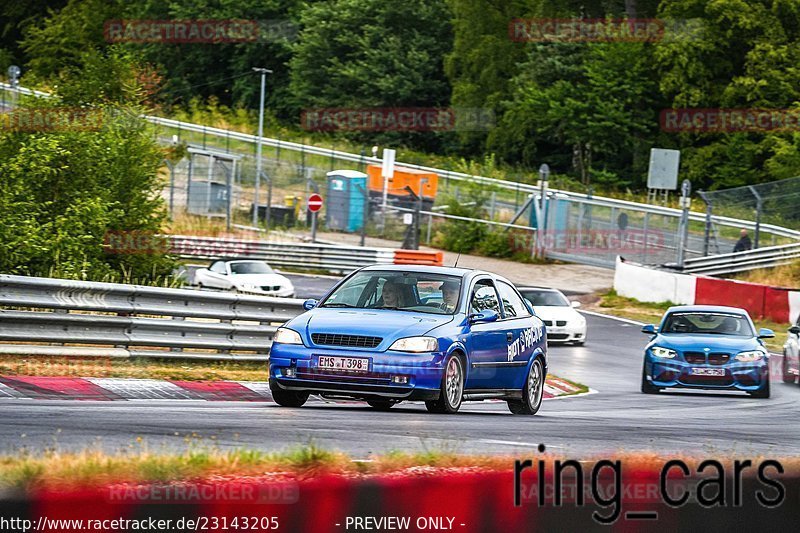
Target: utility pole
<point>263,72</point>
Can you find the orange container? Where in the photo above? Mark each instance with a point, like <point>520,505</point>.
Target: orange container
<point>404,177</point>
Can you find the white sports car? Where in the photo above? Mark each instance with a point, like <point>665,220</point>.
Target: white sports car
<point>246,275</point>
<point>563,322</point>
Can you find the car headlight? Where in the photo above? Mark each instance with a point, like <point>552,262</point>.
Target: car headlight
<point>750,357</point>
<point>415,344</point>
<point>660,351</point>
<point>287,336</point>
<point>247,287</point>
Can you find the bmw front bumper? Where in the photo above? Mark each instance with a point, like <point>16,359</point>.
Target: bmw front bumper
<point>748,377</point>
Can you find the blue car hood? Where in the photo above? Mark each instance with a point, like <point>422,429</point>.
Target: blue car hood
<point>722,343</point>
<point>389,324</point>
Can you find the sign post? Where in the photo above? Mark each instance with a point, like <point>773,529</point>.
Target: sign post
<point>314,204</point>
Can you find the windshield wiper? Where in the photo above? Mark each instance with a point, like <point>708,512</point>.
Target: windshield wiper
<point>338,304</point>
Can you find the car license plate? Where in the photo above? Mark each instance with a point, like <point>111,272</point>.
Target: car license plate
<point>353,364</point>
<point>716,372</point>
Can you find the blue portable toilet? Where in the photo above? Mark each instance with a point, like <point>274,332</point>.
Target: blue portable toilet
<point>347,190</point>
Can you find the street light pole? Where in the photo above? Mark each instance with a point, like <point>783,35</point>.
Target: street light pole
<point>263,72</point>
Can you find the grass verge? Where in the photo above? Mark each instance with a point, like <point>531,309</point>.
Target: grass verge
<point>64,470</point>
<point>650,313</point>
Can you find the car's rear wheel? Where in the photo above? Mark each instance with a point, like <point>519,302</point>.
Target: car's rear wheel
<point>647,387</point>
<point>382,405</point>
<point>452,391</point>
<point>763,392</point>
<point>787,377</point>
<point>287,398</point>
<point>532,392</point>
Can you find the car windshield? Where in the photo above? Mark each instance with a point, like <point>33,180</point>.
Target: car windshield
<point>405,291</point>
<point>545,298</point>
<point>707,323</point>
<point>250,267</point>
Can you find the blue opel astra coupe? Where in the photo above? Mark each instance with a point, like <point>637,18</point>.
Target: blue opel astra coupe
<point>706,347</point>
<point>388,333</point>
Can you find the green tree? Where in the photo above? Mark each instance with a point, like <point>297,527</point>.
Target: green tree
<point>367,53</point>
<point>65,190</point>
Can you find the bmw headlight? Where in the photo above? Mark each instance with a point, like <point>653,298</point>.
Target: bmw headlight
<point>750,357</point>
<point>415,344</point>
<point>286,336</point>
<point>666,353</point>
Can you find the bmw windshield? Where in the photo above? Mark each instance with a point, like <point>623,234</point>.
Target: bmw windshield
<point>403,291</point>
<point>708,324</point>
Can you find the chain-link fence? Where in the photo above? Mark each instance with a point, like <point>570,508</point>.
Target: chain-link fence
<point>774,203</point>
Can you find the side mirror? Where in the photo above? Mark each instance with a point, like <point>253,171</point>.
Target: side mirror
<point>765,333</point>
<point>795,330</point>
<point>650,329</point>
<point>487,315</point>
<point>308,305</point>
<point>575,304</point>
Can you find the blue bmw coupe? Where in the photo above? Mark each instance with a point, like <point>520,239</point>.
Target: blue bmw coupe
<point>706,347</point>
<point>389,333</point>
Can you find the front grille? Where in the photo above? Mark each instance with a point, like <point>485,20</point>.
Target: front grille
<point>548,322</point>
<point>718,381</point>
<point>695,357</point>
<point>349,341</point>
<point>361,378</point>
<point>270,287</point>
<point>718,358</point>
<point>557,336</point>
<point>561,323</point>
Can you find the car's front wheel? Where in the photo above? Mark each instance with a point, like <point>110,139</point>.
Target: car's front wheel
<point>647,387</point>
<point>787,377</point>
<point>532,392</point>
<point>287,398</point>
<point>452,388</point>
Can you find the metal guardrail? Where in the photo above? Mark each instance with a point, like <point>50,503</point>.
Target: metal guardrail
<point>767,257</point>
<point>138,321</point>
<point>330,257</point>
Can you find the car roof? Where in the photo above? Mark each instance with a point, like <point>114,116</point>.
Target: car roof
<point>707,309</point>
<point>426,269</point>
<point>462,272</point>
<point>238,260</point>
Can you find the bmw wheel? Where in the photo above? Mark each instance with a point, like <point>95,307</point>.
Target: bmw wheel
<point>452,388</point>
<point>532,392</point>
<point>647,387</point>
<point>286,398</point>
<point>787,377</point>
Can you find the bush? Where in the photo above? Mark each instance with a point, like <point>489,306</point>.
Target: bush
<point>63,192</point>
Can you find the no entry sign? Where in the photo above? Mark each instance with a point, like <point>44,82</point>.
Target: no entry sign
<point>314,203</point>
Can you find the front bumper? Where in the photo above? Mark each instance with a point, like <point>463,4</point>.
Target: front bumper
<point>568,333</point>
<point>667,373</point>
<point>391,375</point>
<point>286,292</point>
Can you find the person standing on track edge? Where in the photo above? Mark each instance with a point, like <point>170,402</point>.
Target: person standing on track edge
<point>743,244</point>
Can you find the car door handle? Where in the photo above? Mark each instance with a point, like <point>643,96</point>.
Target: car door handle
<point>509,336</point>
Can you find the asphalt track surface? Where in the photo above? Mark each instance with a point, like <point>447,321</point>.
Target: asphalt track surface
<point>615,418</point>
